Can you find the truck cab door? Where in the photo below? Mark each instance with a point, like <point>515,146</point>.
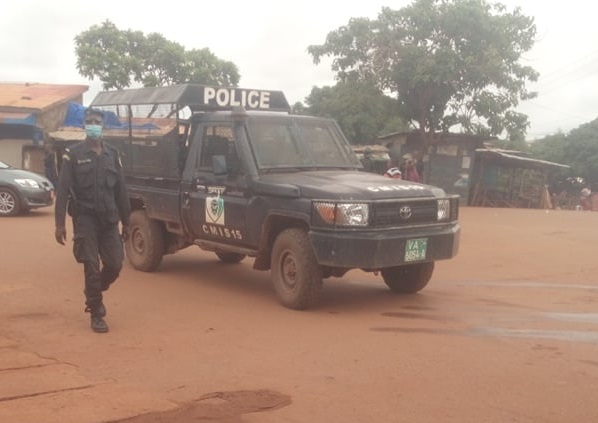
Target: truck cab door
<point>214,189</point>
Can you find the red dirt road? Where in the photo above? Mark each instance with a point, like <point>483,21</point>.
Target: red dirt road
<point>506,331</point>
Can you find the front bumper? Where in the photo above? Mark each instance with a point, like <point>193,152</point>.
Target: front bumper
<point>34,198</point>
<point>377,249</point>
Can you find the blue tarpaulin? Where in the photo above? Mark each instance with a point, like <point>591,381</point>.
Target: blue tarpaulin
<point>15,118</point>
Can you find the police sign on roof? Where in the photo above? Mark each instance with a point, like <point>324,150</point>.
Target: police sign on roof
<point>197,97</point>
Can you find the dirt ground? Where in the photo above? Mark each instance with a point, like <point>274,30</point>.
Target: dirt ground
<point>505,332</point>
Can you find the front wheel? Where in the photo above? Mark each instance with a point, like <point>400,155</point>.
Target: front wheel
<point>296,275</point>
<point>9,202</point>
<point>409,278</point>
<point>145,246</point>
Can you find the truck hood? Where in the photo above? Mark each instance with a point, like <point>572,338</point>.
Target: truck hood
<point>346,185</point>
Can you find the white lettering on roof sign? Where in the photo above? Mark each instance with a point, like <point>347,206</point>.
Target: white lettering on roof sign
<point>231,97</point>
<point>408,187</point>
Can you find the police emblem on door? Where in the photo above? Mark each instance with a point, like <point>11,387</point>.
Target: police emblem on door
<point>215,210</point>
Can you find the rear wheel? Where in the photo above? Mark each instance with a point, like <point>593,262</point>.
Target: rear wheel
<point>145,246</point>
<point>409,278</point>
<point>230,257</point>
<point>10,204</point>
<point>296,275</point>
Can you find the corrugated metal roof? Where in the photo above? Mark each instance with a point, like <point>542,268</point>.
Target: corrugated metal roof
<point>524,161</point>
<point>17,118</point>
<point>438,138</point>
<point>36,97</point>
<point>68,134</point>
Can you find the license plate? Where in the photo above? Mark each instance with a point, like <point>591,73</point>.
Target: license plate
<point>415,249</point>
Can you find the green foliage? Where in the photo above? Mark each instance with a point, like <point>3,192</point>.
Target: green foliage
<point>119,58</point>
<point>578,149</point>
<point>362,111</point>
<point>451,62</point>
<point>517,144</point>
<point>203,66</point>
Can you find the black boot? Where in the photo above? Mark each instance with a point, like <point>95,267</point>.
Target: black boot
<point>98,324</point>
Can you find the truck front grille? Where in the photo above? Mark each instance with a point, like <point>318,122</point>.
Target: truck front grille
<point>403,213</point>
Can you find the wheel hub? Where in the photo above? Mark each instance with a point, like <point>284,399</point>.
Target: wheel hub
<point>137,241</point>
<point>289,270</point>
<point>7,203</point>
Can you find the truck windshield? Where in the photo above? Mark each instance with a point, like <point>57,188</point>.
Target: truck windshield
<point>299,142</point>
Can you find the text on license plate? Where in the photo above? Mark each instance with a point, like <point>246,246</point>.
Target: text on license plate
<point>415,249</point>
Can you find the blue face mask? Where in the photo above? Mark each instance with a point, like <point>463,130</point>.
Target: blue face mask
<point>93,131</point>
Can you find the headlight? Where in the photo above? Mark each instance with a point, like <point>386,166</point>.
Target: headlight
<point>444,210</point>
<point>27,183</point>
<point>343,214</point>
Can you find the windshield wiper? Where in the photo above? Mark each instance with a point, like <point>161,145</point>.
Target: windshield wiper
<point>282,169</point>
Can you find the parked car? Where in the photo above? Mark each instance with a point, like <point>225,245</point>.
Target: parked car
<point>21,190</point>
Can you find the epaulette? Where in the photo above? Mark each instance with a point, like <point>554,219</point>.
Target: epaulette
<point>115,151</point>
<point>66,155</point>
<point>75,148</point>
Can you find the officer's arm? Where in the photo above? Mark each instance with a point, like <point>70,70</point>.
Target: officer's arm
<point>122,197</point>
<point>64,185</point>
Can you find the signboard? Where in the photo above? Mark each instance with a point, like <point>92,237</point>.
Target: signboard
<point>197,97</point>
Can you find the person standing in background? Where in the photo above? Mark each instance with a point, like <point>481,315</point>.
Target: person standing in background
<point>409,170</point>
<point>585,198</point>
<point>50,164</point>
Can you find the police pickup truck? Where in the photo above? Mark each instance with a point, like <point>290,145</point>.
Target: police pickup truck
<point>234,172</point>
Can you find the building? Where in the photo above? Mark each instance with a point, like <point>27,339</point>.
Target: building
<point>445,162</point>
<point>28,112</point>
<point>481,175</point>
<point>508,179</point>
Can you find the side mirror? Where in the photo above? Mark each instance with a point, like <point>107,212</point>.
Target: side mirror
<point>219,167</point>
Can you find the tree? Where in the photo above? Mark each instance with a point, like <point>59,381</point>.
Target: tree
<point>161,61</point>
<point>450,63</point>
<point>578,149</point>
<point>362,111</point>
<point>203,65</point>
<point>119,58</point>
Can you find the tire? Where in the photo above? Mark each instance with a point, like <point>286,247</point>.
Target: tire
<point>296,275</point>
<point>409,278</point>
<point>145,246</point>
<point>10,204</point>
<point>230,257</point>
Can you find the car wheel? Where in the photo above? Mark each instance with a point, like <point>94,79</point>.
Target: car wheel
<point>145,245</point>
<point>230,257</point>
<point>10,204</point>
<point>296,275</point>
<point>409,278</point>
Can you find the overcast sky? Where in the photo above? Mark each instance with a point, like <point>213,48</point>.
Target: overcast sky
<point>268,41</point>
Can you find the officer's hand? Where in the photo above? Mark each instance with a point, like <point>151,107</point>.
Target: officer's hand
<point>125,233</point>
<point>60,235</point>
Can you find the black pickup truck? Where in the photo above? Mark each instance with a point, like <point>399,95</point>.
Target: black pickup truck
<point>234,172</point>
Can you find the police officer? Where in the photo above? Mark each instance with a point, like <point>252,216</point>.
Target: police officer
<point>92,183</point>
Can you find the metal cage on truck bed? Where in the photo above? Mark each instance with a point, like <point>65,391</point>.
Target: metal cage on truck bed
<point>150,126</point>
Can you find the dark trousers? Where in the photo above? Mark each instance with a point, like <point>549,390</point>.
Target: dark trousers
<point>96,240</point>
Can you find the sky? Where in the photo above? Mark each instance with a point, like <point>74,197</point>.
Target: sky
<point>268,40</point>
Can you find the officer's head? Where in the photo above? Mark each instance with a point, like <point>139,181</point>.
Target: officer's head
<point>94,122</point>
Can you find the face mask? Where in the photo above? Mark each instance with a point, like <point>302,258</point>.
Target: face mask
<point>93,131</point>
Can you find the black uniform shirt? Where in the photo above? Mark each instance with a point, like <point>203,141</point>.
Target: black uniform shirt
<point>95,181</point>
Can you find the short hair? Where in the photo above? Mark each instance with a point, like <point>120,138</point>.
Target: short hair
<point>94,112</point>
